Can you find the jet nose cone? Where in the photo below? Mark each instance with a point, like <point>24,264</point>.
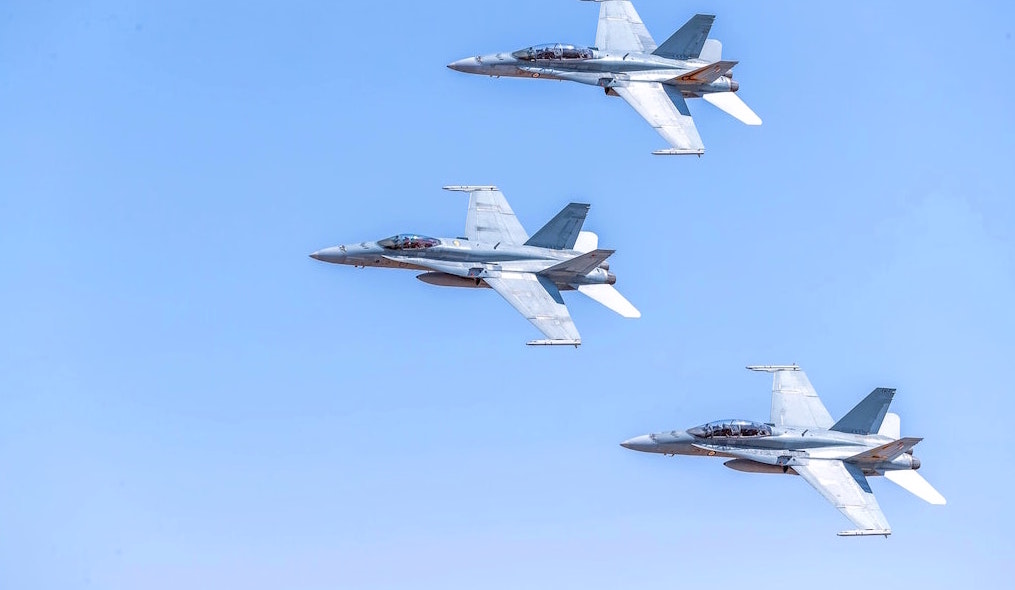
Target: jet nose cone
<point>469,64</point>
<point>335,254</point>
<point>639,443</point>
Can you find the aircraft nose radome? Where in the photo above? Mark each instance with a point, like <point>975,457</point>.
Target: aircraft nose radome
<point>334,254</point>
<point>464,65</point>
<point>638,443</point>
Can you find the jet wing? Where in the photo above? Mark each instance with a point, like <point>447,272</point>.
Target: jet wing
<point>846,487</point>
<point>490,219</point>
<point>794,401</point>
<point>539,300</point>
<point>621,30</point>
<point>664,108</point>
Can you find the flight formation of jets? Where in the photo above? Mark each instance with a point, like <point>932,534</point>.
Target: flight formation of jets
<point>531,272</point>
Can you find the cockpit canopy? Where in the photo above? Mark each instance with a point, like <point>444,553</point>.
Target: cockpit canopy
<point>731,428</point>
<point>408,242</point>
<point>554,51</point>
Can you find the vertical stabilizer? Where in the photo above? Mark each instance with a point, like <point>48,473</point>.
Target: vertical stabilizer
<point>891,426</point>
<point>561,232</point>
<point>689,39</point>
<point>587,241</point>
<point>711,51</point>
<point>866,417</point>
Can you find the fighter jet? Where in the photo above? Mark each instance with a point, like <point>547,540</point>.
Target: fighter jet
<point>626,62</point>
<point>530,272</point>
<point>801,439</point>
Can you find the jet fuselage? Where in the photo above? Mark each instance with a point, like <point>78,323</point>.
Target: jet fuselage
<point>603,69</point>
<point>804,443</point>
<point>487,257</point>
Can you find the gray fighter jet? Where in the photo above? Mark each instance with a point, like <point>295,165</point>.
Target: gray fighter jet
<point>801,439</point>
<point>626,62</point>
<point>530,272</point>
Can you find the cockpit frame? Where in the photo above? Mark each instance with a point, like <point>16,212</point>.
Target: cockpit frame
<point>731,429</point>
<point>408,242</point>
<point>554,51</point>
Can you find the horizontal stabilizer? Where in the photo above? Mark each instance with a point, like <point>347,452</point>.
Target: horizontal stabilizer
<point>866,416</point>
<point>730,103</point>
<point>915,484</point>
<point>885,452</point>
<point>705,74</point>
<point>561,232</point>
<point>611,298</point>
<point>579,265</point>
<point>687,42</point>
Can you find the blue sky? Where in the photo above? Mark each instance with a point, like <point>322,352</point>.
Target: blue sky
<point>188,400</point>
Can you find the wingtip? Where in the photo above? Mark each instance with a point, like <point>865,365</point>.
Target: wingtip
<point>866,533</point>
<point>772,368</point>
<point>679,152</point>
<point>468,188</point>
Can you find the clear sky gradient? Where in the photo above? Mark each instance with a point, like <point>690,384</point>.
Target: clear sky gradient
<point>188,401</point>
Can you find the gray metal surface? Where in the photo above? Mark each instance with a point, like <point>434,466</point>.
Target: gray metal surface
<point>846,488</point>
<point>620,29</point>
<point>626,62</point>
<point>798,441</point>
<point>496,252</point>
